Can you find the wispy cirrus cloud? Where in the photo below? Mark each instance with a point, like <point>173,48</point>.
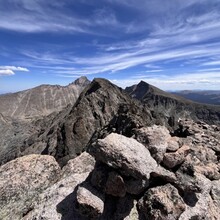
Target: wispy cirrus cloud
<point>212,63</point>
<point>115,62</point>
<point>54,16</point>
<point>147,39</point>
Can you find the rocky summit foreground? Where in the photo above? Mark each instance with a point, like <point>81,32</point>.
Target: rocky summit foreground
<point>155,174</point>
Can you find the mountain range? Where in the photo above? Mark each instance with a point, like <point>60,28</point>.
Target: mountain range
<point>143,139</point>
<point>207,96</point>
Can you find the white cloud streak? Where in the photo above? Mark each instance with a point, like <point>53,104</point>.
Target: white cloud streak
<point>10,70</point>
<point>6,72</point>
<point>14,68</point>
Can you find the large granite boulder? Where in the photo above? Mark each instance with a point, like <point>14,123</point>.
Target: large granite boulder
<point>125,154</point>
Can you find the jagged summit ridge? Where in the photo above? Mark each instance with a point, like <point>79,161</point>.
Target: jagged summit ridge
<point>99,104</point>
<point>142,89</point>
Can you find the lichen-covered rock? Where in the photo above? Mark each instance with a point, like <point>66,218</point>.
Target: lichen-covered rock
<point>162,203</point>
<point>187,182</point>
<point>21,182</point>
<point>125,154</point>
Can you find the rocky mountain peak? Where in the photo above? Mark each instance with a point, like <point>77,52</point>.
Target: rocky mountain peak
<point>165,105</point>
<point>69,133</point>
<point>81,81</point>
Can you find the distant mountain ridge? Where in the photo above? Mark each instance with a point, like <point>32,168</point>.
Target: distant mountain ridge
<point>207,97</point>
<point>41,100</point>
<point>171,106</point>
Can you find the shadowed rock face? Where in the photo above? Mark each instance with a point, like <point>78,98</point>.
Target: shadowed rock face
<point>167,107</point>
<point>66,134</point>
<point>42,100</point>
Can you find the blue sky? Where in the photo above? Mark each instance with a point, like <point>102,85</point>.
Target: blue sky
<point>172,44</point>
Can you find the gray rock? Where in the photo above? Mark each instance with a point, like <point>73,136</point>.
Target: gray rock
<point>204,207</point>
<point>171,160</point>
<point>173,144</point>
<point>164,174</point>
<point>161,203</point>
<point>115,185</point>
<point>215,192</point>
<point>21,182</point>
<point>58,201</point>
<point>136,186</point>
<point>155,138</point>
<point>125,154</point>
<point>90,203</point>
<point>210,170</point>
<point>187,183</point>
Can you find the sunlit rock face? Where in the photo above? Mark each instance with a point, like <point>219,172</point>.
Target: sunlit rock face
<point>42,100</point>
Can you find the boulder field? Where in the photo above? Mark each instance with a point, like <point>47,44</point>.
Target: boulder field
<point>155,174</point>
